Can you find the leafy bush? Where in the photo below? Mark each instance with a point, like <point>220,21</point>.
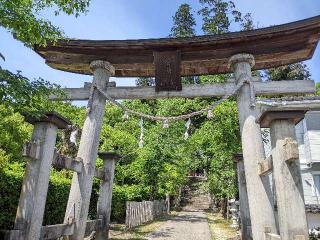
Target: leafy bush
<point>14,133</point>
<point>11,177</point>
<point>10,184</point>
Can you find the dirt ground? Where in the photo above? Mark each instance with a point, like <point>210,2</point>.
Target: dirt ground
<point>179,225</point>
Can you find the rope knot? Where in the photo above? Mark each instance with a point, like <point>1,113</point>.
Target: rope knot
<point>245,78</point>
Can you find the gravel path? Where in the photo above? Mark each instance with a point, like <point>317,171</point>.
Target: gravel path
<point>185,226</point>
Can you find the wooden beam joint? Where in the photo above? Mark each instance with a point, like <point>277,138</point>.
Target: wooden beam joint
<point>291,151</point>
<point>102,174</point>
<point>64,162</point>
<point>265,166</point>
<point>269,235</point>
<point>32,150</point>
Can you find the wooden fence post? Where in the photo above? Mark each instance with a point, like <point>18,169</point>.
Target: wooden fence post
<point>34,190</point>
<point>138,213</point>
<point>286,172</point>
<point>245,221</point>
<point>105,194</point>
<point>259,190</point>
<point>80,192</point>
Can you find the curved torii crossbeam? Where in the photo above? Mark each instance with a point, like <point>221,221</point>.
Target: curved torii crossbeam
<point>202,55</point>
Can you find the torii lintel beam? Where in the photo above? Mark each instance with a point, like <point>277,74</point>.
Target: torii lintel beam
<point>200,55</point>
<point>268,88</point>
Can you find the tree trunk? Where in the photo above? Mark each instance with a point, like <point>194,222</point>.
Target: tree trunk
<point>224,207</point>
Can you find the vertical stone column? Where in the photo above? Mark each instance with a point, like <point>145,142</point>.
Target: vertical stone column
<point>168,203</point>
<point>245,222</point>
<point>105,194</point>
<point>286,173</point>
<point>80,192</point>
<point>34,190</point>
<point>259,191</point>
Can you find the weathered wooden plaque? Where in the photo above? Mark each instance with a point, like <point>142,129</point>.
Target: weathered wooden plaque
<point>167,70</point>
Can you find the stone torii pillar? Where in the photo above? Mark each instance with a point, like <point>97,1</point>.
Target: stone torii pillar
<point>34,189</point>
<point>245,221</point>
<point>80,192</point>
<point>286,173</point>
<point>105,193</point>
<point>259,191</point>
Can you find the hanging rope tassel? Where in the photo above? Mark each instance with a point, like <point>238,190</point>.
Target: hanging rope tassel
<point>166,123</point>
<point>187,125</point>
<point>244,78</point>
<point>141,134</point>
<point>90,101</point>
<point>252,94</point>
<point>126,115</point>
<point>210,114</point>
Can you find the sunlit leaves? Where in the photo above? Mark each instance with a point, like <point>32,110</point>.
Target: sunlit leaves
<point>23,18</point>
<point>295,71</point>
<point>23,95</point>
<point>183,22</point>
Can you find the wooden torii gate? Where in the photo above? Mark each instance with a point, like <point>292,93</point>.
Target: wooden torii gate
<point>168,60</point>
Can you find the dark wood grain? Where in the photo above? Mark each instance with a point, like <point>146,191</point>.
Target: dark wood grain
<point>273,46</point>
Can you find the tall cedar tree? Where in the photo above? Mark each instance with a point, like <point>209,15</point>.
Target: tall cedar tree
<point>217,16</point>
<point>295,71</point>
<point>183,22</point>
<point>184,26</point>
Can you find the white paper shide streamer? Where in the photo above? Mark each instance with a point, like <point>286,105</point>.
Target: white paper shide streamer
<point>141,133</point>
<point>126,115</point>
<point>73,137</point>
<point>210,114</point>
<point>187,125</point>
<point>166,123</point>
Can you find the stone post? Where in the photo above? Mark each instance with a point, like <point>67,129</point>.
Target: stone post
<point>80,192</point>
<point>34,190</point>
<point>286,173</point>
<point>234,209</point>
<point>168,203</point>
<point>245,222</point>
<point>105,194</point>
<point>259,190</point>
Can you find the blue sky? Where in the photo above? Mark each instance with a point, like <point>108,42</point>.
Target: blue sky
<point>131,19</point>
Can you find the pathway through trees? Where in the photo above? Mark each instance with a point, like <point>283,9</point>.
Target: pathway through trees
<point>186,225</point>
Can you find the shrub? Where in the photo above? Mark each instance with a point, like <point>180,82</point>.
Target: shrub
<point>11,177</point>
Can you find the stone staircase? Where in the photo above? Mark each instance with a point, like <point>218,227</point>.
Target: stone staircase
<point>194,197</point>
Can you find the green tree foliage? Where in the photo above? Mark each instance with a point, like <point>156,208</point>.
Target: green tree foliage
<point>217,16</point>
<point>23,18</point>
<point>145,81</point>
<point>14,133</point>
<point>184,26</point>
<point>23,95</point>
<point>295,71</point>
<point>218,139</point>
<point>183,22</point>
